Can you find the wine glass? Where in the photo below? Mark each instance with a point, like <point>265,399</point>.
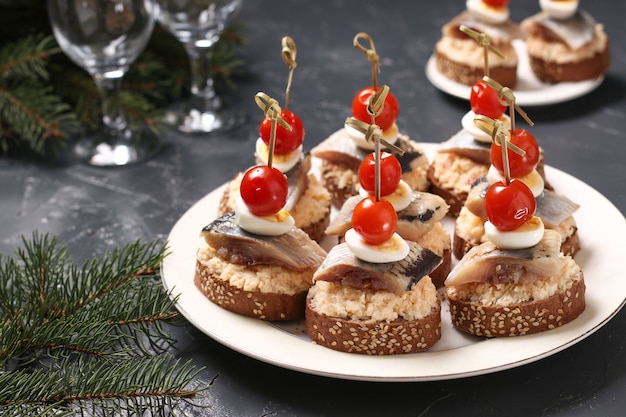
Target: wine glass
<point>198,24</point>
<point>105,37</point>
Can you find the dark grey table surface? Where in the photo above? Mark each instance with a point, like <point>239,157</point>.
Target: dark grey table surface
<point>94,210</point>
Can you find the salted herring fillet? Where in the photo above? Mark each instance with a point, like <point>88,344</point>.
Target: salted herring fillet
<point>342,267</point>
<point>488,263</point>
<point>575,31</point>
<point>464,144</point>
<point>340,149</point>
<point>414,221</point>
<point>294,250</point>
<point>297,180</point>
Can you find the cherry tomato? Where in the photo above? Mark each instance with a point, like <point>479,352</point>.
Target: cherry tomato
<point>386,119</point>
<point>375,221</point>
<point>390,173</point>
<point>496,3</point>
<point>264,190</point>
<point>484,100</point>
<point>509,206</point>
<point>518,165</point>
<point>286,141</point>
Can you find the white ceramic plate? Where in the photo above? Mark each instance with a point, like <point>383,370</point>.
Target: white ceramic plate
<point>602,231</point>
<point>529,90</point>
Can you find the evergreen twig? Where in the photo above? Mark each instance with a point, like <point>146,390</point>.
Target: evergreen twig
<point>29,109</point>
<point>87,337</point>
<point>98,387</point>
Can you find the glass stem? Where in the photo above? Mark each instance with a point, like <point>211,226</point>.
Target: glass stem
<point>113,119</point>
<point>203,95</point>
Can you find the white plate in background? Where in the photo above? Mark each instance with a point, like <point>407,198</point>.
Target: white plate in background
<point>529,90</point>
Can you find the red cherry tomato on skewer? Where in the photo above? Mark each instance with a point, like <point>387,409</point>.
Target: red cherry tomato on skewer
<point>286,141</point>
<point>509,206</point>
<point>264,190</point>
<point>484,100</point>
<point>518,165</point>
<point>496,3</point>
<point>390,173</point>
<point>386,119</point>
<point>375,221</point>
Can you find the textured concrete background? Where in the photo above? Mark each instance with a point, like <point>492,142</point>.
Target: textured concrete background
<point>94,210</point>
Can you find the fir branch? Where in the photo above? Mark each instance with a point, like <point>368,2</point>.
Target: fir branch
<point>87,338</point>
<point>62,307</point>
<point>99,387</point>
<point>140,111</point>
<point>74,287</point>
<point>225,64</point>
<point>29,109</point>
<point>27,59</point>
<point>34,114</point>
<point>79,90</point>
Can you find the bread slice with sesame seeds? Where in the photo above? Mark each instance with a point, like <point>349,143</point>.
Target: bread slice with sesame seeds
<point>460,58</point>
<point>566,49</point>
<point>496,309</point>
<point>260,276</point>
<point>266,292</point>
<point>373,322</point>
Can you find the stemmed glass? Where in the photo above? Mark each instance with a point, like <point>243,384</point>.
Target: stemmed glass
<point>105,37</point>
<point>197,24</point>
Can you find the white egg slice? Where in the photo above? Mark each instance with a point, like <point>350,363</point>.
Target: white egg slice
<point>399,199</point>
<point>562,9</point>
<point>274,225</point>
<point>487,13</point>
<point>283,163</point>
<point>526,236</point>
<point>394,250</point>
<point>390,135</point>
<point>533,180</point>
<point>468,124</point>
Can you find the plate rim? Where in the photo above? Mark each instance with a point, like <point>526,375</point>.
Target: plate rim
<point>286,350</point>
<point>547,94</point>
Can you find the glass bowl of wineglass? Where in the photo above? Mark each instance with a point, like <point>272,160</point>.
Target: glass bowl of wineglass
<point>105,37</point>
<point>198,24</point>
